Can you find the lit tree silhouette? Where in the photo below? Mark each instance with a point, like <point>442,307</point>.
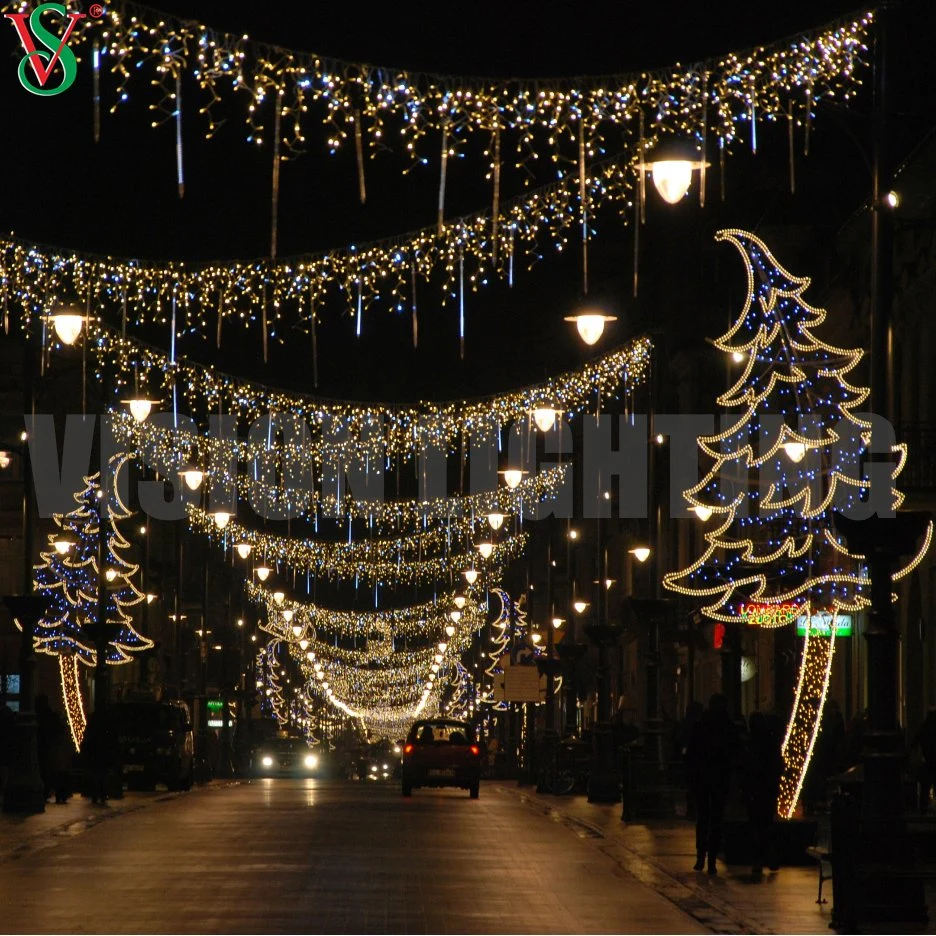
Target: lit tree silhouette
<point>788,456</point>
<point>71,581</point>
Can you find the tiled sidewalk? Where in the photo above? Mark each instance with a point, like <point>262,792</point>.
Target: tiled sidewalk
<point>661,854</point>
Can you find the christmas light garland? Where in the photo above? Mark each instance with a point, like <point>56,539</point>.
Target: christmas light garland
<point>341,430</point>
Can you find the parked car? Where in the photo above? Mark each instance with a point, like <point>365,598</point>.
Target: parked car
<point>156,744</point>
<point>287,757</point>
<point>441,752</point>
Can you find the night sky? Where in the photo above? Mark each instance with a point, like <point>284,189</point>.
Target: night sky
<point>119,196</point>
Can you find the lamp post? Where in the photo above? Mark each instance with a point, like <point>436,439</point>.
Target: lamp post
<point>884,836</point>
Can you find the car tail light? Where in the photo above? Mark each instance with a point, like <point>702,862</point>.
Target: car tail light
<point>475,749</point>
<point>407,748</point>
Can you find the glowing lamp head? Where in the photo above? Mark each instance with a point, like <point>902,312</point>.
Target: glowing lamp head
<point>243,549</point>
<point>495,520</point>
<point>640,553</point>
<point>702,512</point>
<point>288,616</point>
<point>590,325</point>
<point>221,518</point>
<point>110,574</point>
<point>150,597</point>
<point>438,658</point>
<point>455,615</point>
<point>279,597</point>
<point>671,164</point>
<point>512,478</point>
<point>557,622</point>
<point>486,549</point>
<point>262,572</point>
<point>471,576</point>
<point>67,322</point>
<point>193,476</point>
<point>310,655</point>
<point>443,646</point>
<point>5,459</point>
<point>545,418</point>
<point>672,178</point>
<point>580,606</point>
<point>796,451</point>
<point>62,544</point>
<point>536,636</point>
<point>449,630</point>
<point>737,357</point>
<point>460,601</point>
<point>140,408</point>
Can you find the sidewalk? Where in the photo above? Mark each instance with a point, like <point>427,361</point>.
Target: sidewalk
<point>24,834</point>
<point>660,853</point>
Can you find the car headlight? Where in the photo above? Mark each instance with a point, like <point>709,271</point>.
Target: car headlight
<point>267,761</point>
<point>311,761</point>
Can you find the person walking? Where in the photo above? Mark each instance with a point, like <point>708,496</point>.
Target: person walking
<point>710,754</point>
<point>763,768</point>
<point>54,750</point>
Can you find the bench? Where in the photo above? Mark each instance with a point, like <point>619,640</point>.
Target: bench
<point>822,856</point>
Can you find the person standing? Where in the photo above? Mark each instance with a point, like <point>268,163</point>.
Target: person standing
<point>54,750</point>
<point>710,754</point>
<point>763,768</point>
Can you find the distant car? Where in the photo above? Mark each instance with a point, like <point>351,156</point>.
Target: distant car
<point>287,757</point>
<point>441,752</point>
<point>156,744</point>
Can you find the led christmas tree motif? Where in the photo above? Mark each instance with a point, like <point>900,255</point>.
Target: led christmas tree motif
<point>787,457</point>
<point>71,580</point>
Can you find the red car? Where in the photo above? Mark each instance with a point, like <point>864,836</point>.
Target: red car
<point>440,752</point>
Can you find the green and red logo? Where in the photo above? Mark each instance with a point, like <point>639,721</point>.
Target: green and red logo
<point>30,29</point>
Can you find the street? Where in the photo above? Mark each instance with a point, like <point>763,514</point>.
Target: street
<point>311,856</point>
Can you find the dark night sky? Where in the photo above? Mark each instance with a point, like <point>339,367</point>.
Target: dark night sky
<point>119,196</point>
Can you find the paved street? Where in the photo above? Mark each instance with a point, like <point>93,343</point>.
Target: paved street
<point>311,856</point>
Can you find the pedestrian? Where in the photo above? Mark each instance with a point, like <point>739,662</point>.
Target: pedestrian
<point>763,768</point>
<point>7,741</point>
<point>681,736</point>
<point>710,754</point>
<point>925,738</point>
<point>100,748</point>
<point>54,750</point>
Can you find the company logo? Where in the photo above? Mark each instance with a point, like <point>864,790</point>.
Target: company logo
<point>43,62</point>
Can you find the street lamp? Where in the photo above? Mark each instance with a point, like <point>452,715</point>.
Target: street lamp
<point>590,325</point>
<point>512,478</point>
<point>192,475</point>
<point>496,520</point>
<point>243,549</point>
<point>671,164</point>
<point>67,320</point>
<point>545,418</point>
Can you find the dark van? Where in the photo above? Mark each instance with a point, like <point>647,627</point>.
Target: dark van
<point>156,744</point>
